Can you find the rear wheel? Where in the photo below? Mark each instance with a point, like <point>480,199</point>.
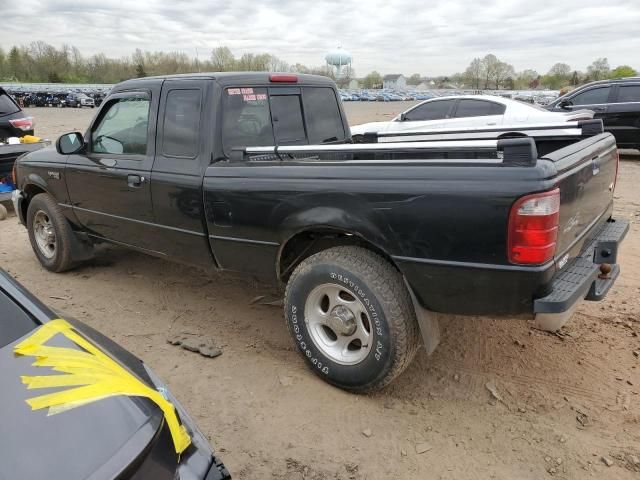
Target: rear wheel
<point>351,317</point>
<point>49,233</point>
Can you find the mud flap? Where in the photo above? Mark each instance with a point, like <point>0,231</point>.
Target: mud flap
<point>428,323</point>
<point>81,247</point>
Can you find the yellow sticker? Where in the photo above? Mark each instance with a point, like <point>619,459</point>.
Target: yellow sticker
<point>94,375</point>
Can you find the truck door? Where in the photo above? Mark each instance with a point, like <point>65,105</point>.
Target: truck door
<point>623,115</point>
<point>109,183</point>
<point>176,180</point>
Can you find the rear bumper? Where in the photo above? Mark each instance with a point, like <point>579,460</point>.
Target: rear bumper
<point>582,277</point>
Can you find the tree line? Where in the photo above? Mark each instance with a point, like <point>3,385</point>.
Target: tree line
<point>490,72</point>
<point>41,62</point>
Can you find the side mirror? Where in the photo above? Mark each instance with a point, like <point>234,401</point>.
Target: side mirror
<point>70,143</point>
<point>403,117</point>
<point>565,104</point>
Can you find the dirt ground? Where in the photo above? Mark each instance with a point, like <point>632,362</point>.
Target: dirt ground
<point>567,400</point>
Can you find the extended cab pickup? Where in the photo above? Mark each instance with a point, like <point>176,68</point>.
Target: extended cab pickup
<point>255,172</point>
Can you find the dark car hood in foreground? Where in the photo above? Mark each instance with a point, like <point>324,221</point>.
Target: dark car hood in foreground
<point>83,442</point>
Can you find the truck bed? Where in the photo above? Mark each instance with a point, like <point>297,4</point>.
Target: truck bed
<point>438,209</point>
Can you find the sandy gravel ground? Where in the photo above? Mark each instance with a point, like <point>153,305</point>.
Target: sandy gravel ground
<point>567,400</point>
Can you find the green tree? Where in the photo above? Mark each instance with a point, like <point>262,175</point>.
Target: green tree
<point>559,76</point>
<point>15,69</point>
<point>623,71</point>
<point>414,79</point>
<point>575,79</point>
<point>140,70</point>
<point>372,80</point>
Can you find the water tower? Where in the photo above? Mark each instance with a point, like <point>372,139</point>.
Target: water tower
<point>338,58</point>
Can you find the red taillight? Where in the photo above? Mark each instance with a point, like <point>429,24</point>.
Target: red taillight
<point>278,77</point>
<point>23,124</point>
<point>533,228</point>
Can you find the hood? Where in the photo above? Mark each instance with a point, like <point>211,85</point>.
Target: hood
<point>78,443</point>
<point>47,154</point>
<point>92,441</point>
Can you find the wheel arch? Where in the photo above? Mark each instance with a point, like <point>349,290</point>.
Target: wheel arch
<point>311,240</point>
<point>33,187</point>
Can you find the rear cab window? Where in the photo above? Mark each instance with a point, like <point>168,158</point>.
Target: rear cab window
<point>7,105</point>
<point>266,116</point>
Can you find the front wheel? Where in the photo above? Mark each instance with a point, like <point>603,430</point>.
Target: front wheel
<point>350,316</point>
<point>49,233</point>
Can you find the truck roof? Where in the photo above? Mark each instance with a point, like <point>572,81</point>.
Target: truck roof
<point>231,78</point>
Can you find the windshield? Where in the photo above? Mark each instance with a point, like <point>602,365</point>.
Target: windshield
<point>15,321</point>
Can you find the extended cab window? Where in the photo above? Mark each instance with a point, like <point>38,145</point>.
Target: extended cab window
<point>280,116</point>
<point>478,108</point>
<point>123,127</point>
<point>629,93</point>
<point>436,110</point>
<point>181,128</point>
<point>591,97</point>
<point>324,122</point>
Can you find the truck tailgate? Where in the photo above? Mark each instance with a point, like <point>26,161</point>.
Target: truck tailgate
<point>586,178</point>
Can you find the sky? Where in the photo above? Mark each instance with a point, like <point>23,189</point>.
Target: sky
<point>436,37</point>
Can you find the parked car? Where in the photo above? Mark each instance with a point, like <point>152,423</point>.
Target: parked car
<point>109,435</point>
<point>254,172</point>
<point>78,100</point>
<point>468,111</point>
<point>13,121</point>
<point>616,102</point>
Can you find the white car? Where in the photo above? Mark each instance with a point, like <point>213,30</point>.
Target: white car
<point>468,111</point>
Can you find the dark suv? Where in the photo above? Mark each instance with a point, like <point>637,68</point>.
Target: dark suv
<point>13,121</point>
<point>616,102</point>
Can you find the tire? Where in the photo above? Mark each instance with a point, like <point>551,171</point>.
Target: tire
<point>386,338</point>
<point>49,233</point>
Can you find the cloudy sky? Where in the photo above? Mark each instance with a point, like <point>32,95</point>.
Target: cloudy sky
<point>412,36</point>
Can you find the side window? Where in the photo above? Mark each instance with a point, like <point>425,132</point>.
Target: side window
<point>246,118</point>
<point>123,127</point>
<point>181,123</point>
<point>436,110</point>
<point>628,93</point>
<point>478,108</point>
<point>288,125</point>
<point>321,110</point>
<point>591,97</point>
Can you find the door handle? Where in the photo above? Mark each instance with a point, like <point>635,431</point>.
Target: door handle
<point>135,181</point>
<point>599,109</point>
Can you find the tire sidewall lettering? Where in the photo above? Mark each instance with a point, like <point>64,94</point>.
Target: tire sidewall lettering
<point>380,349</point>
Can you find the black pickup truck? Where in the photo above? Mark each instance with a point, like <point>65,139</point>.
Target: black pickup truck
<point>255,172</point>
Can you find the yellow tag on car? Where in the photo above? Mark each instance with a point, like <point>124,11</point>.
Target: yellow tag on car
<point>93,374</point>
